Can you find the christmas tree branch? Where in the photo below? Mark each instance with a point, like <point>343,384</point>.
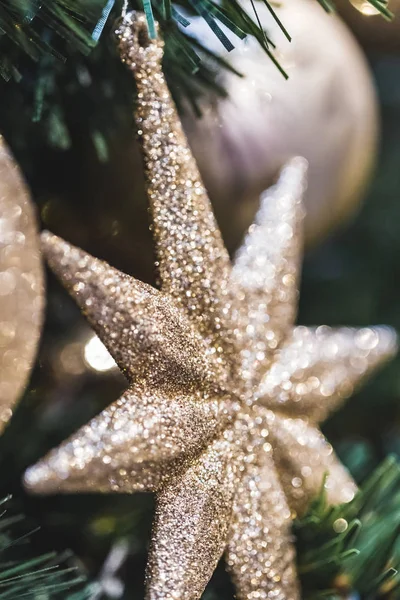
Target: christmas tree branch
<point>23,574</point>
<point>353,548</point>
<point>58,54</point>
<point>79,23</point>
<point>61,27</point>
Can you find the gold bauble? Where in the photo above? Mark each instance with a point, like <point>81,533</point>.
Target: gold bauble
<point>21,284</point>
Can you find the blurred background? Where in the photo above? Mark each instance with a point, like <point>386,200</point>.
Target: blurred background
<point>340,108</point>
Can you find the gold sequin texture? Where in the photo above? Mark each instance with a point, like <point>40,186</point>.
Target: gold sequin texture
<point>21,284</point>
<point>225,394</point>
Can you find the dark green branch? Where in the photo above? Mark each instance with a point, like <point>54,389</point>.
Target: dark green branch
<point>354,547</point>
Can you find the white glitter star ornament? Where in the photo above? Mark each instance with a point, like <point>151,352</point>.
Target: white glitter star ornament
<point>225,395</point>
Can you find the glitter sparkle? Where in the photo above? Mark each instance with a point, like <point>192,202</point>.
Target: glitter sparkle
<point>225,394</point>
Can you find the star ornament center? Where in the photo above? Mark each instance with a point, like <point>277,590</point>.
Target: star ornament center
<point>221,416</point>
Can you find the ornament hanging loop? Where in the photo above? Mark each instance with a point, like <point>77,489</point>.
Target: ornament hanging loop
<point>125,8</point>
<point>137,49</point>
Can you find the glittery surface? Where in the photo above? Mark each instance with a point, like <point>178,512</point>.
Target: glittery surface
<point>225,395</point>
<point>21,284</point>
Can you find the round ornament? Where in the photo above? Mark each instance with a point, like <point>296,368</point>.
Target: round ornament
<point>21,284</point>
<point>325,111</point>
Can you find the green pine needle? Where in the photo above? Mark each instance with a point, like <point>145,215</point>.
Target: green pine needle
<point>354,547</point>
<point>148,11</point>
<point>25,575</point>
<point>45,45</point>
<point>60,27</point>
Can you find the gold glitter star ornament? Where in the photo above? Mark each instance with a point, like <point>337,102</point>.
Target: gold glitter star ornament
<point>225,394</point>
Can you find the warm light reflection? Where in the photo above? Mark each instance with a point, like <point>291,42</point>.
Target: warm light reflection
<point>365,7</point>
<point>97,356</point>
